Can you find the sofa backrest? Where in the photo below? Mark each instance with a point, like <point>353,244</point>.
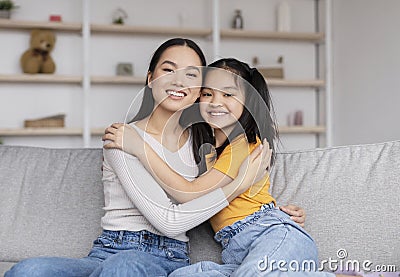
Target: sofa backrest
<point>50,200</point>
<point>351,195</point>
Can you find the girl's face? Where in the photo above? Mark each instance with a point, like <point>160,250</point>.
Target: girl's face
<point>221,100</point>
<point>176,79</point>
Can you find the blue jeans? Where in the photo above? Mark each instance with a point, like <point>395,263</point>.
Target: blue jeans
<point>261,245</point>
<point>114,253</point>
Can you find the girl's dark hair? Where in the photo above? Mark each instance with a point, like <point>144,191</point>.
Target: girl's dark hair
<point>148,100</point>
<point>258,118</point>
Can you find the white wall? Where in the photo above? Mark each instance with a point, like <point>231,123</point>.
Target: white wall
<point>366,72</point>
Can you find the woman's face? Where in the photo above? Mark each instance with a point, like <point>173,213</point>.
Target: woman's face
<point>176,79</point>
<point>221,100</point>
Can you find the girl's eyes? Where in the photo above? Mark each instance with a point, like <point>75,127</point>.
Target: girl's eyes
<point>210,94</point>
<point>192,75</point>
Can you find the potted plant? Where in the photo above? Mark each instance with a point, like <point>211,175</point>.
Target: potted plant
<point>6,6</point>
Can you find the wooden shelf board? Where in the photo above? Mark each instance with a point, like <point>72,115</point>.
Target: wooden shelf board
<point>131,80</point>
<point>282,130</point>
<point>26,132</point>
<point>144,30</point>
<point>22,25</point>
<point>302,129</point>
<point>161,30</point>
<point>40,78</point>
<point>295,83</point>
<point>293,36</point>
<point>97,131</point>
<point>113,80</point>
<point>18,132</point>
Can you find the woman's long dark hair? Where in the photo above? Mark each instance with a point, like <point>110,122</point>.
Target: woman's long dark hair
<point>258,118</point>
<point>148,100</point>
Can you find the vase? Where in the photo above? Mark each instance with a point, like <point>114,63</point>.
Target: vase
<point>5,14</point>
<point>283,17</point>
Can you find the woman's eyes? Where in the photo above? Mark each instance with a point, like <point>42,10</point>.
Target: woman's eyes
<point>188,74</point>
<point>168,70</point>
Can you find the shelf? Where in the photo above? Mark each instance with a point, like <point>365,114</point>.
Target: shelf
<point>22,132</point>
<point>295,83</point>
<point>131,80</point>
<point>292,36</point>
<point>162,31</point>
<point>40,78</point>
<point>282,130</point>
<point>113,80</point>
<point>146,30</point>
<point>26,132</point>
<point>302,129</point>
<point>28,25</point>
<point>98,28</point>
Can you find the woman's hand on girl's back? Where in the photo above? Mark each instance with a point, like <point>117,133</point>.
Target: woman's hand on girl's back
<point>297,214</point>
<point>256,165</point>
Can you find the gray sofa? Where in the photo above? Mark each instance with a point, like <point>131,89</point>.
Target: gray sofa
<point>51,202</point>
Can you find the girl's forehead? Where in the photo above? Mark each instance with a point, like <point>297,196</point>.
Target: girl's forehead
<point>219,78</point>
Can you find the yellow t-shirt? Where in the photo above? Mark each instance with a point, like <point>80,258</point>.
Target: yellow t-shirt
<point>247,203</point>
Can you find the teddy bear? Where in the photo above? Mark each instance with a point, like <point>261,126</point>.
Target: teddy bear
<point>37,58</point>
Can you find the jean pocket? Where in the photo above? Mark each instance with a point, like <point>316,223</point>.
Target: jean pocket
<point>103,241</point>
<point>177,255</point>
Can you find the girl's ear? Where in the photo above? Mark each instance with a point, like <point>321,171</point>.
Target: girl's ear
<point>149,79</point>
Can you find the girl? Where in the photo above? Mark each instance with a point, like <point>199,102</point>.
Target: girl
<point>140,220</point>
<point>236,103</point>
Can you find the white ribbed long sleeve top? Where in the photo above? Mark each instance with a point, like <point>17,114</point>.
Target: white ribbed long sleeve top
<point>134,201</point>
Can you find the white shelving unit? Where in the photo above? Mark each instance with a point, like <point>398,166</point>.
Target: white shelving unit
<point>323,121</point>
<point>216,35</point>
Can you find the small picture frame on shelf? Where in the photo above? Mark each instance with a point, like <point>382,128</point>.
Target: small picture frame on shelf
<point>274,71</point>
<point>124,69</point>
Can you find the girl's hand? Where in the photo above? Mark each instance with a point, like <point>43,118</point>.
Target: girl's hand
<point>123,137</point>
<point>297,214</point>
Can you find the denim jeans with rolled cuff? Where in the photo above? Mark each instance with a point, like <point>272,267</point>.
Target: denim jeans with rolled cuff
<point>114,253</point>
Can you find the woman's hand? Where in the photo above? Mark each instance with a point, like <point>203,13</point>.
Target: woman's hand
<point>123,137</point>
<point>255,167</point>
<point>297,214</point>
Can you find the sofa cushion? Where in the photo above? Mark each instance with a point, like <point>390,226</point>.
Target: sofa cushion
<point>203,247</point>
<point>5,266</point>
<point>351,195</point>
<point>51,201</point>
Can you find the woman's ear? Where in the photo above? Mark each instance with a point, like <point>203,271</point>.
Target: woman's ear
<point>149,77</point>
